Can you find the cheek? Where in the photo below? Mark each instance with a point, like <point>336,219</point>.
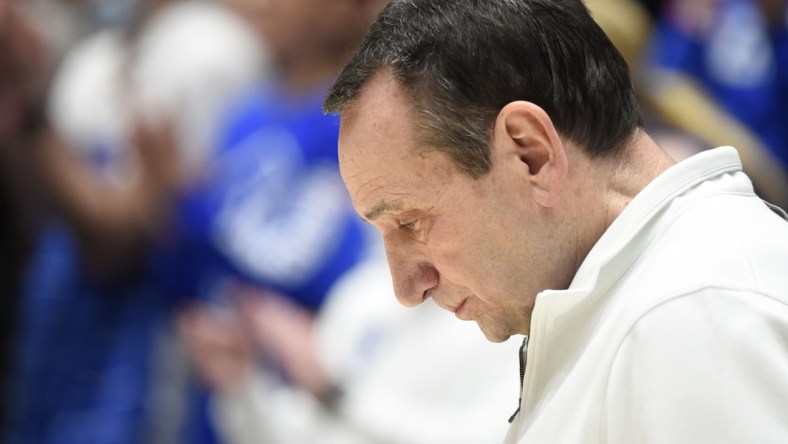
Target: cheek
<point>468,257</point>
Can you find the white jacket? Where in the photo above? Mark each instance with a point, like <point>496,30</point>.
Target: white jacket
<point>675,328</point>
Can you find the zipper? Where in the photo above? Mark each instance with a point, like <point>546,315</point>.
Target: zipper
<point>523,362</point>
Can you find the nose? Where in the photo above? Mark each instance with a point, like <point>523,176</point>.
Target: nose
<point>412,274</point>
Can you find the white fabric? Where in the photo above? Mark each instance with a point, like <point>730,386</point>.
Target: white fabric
<point>192,59</point>
<point>189,62</point>
<point>675,328</point>
<point>87,105</point>
<point>410,376</point>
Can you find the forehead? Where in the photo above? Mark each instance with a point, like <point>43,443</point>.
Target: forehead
<point>376,144</point>
<point>380,159</point>
<point>380,111</point>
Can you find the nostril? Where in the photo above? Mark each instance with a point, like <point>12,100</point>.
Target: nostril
<point>413,279</point>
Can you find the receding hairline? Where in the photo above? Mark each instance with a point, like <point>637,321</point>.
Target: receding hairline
<point>343,100</point>
<point>349,107</point>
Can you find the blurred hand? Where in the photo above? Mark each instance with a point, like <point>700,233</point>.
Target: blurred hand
<point>222,356</point>
<point>285,330</point>
<point>156,148</point>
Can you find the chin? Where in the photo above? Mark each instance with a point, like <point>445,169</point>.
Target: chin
<point>494,336</point>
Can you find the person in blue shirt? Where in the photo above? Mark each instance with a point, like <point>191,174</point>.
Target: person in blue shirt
<point>273,211</point>
<point>278,212</point>
<point>98,358</point>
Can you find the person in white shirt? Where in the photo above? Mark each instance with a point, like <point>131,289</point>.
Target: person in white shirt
<point>499,149</point>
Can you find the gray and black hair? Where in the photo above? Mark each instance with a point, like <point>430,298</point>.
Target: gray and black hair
<point>462,61</point>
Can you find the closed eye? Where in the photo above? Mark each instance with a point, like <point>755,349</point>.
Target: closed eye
<point>408,225</point>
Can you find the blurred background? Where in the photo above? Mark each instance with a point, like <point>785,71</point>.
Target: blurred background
<point>179,260</point>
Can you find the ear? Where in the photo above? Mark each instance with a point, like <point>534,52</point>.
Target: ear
<point>526,138</point>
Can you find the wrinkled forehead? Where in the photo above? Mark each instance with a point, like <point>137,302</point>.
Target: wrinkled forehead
<point>381,104</point>
<point>376,136</point>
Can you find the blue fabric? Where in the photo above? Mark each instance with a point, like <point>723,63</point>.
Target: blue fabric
<point>84,353</point>
<point>729,49</point>
<point>275,211</point>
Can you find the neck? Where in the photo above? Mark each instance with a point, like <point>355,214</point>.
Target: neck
<point>624,176</point>
<point>606,186</point>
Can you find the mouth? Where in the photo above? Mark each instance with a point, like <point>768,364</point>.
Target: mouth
<point>458,309</point>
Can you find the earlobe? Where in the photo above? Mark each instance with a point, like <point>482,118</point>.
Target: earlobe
<point>529,132</point>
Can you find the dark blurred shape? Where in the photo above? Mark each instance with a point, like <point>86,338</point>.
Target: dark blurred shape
<point>654,7</point>
<point>25,67</point>
<point>95,360</point>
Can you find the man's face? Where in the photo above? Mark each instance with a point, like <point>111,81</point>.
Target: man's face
<point>468,244</point>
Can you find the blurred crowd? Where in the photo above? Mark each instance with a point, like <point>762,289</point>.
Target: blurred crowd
<point>179,260</point>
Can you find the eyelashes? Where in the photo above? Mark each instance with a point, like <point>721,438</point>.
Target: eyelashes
<point>409,226</point>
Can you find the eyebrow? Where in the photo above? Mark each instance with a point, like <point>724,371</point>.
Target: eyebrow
<point>382,207</point>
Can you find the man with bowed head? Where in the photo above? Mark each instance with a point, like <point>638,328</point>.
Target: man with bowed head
<point>498,148</point>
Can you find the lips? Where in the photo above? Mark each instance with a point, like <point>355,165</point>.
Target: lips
<point>449,306</point>
<point>458,310</point>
